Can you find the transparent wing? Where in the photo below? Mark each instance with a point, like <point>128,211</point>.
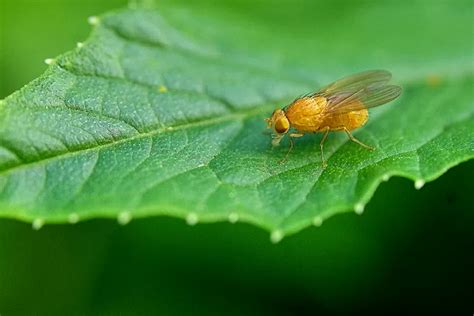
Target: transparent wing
<point>357,81</point>
<point>368,97</point>
<point>360,91</point>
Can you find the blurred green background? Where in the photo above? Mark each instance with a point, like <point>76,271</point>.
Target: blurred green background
<point>410,250</point>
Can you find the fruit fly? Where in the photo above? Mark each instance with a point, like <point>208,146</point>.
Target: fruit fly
<point>339,106</point>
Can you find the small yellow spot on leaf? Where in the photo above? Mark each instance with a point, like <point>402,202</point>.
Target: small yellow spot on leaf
<point>162,89</point>
<point>433,80</point>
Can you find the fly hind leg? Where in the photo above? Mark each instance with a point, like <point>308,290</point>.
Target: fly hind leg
<point>355,140</point>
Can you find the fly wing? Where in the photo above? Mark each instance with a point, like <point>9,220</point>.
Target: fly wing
<point>365,98</point>
<point>356,82</point>
<point>360,91</point>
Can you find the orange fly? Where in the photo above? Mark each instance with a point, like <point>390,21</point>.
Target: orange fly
<point>340,106</point>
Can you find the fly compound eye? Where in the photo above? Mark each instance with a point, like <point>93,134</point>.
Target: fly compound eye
<point>282,125</point>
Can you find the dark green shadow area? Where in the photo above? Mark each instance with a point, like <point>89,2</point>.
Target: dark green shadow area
<point>410,249</point>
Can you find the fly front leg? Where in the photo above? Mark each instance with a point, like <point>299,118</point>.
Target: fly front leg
<point>291,136</point>
<point>355,140</point>
<point>296,135</point>
<point>321,145</point>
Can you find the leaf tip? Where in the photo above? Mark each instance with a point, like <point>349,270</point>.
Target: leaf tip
<point>73,218</point>
<point>317,221</point>
<point>276,236</point>
<point>124,218</point>
<point>359,208</point>
<point>419,184</point>
<point>233,217</point>
<point>192,219</point>
<point>93,20</point>
<point>49,61</point>
<point>37,223</point>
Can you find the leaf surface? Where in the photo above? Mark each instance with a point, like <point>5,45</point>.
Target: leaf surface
<point>161,113</point>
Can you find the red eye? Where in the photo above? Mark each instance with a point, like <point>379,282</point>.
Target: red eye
<point>282,125</point>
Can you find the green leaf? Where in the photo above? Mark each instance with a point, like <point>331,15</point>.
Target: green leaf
<point>161,112</point>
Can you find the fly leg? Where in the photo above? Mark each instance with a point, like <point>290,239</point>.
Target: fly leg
<point>292,135</point>
<point>321,145</point>
<point>355,140</point>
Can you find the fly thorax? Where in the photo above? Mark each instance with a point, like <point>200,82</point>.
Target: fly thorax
<point>321,102</point>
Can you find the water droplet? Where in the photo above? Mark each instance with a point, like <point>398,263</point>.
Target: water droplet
<point>317,221</point>
<point>49,61</point>
<point>359,208</point>
<point>37,223</point>
<point>192,219</point>
<point>276,236</point>
<point>124,218</point>
<point>419,184</point>
<point>93,20</point>
<point>73,218</point>
<point>233,217</point>
<point>385,177</point>
<point>79,44</point>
